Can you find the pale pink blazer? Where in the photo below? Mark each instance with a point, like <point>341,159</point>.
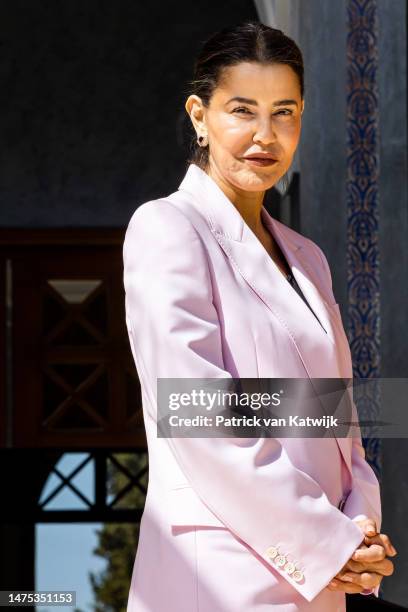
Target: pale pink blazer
<point>204,299</point>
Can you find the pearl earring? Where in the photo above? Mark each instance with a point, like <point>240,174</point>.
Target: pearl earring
<point>202,141</point>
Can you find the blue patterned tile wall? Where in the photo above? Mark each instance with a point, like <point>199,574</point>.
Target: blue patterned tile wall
<point>363,256</point>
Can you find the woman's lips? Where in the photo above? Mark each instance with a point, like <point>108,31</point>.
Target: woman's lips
<point>259,161</point>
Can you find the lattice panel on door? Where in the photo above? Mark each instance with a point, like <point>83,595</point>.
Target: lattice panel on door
<point>103,485</point>
<point>75,384</point>
<point>76,395</point>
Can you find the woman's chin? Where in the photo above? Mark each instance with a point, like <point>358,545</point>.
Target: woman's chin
<point>252,180</point>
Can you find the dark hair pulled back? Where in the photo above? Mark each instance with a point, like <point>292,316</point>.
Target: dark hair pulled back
<point>250,41</point>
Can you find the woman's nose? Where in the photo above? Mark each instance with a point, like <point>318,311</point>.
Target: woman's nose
<point>265,133</point>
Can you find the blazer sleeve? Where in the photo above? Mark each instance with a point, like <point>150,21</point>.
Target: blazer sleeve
<point>249,484</point>
<point>364,499</point>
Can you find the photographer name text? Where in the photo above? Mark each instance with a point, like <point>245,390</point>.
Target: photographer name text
<point>252,421</point>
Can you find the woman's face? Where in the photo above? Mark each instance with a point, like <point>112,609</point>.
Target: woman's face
<point>256,108</point>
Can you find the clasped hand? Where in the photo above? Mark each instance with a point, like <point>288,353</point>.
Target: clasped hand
<point>368,564</point>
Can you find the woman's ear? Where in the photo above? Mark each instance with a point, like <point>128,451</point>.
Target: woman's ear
<point>195,109</point>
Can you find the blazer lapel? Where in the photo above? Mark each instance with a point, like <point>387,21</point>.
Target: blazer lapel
<point>316,348</point>
<point>250,258</point>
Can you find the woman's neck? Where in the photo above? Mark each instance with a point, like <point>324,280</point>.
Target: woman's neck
<point>248,203</point>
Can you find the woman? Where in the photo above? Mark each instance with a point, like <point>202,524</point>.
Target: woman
<point>243,525</point>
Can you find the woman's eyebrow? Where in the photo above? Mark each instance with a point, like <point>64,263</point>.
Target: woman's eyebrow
<point>255,103</point>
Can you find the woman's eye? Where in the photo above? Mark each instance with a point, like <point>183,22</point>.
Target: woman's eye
<point>286,112</point>
<point>242,108</point>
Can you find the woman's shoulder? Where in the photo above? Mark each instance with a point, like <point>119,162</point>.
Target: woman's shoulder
<point>159,215</point>
<point>156,211</point>
<point>176,207</point>
<point>160,224</point>
<point>175,215</point>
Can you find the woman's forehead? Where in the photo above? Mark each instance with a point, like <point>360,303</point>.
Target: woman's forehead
<point>251,79</point>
